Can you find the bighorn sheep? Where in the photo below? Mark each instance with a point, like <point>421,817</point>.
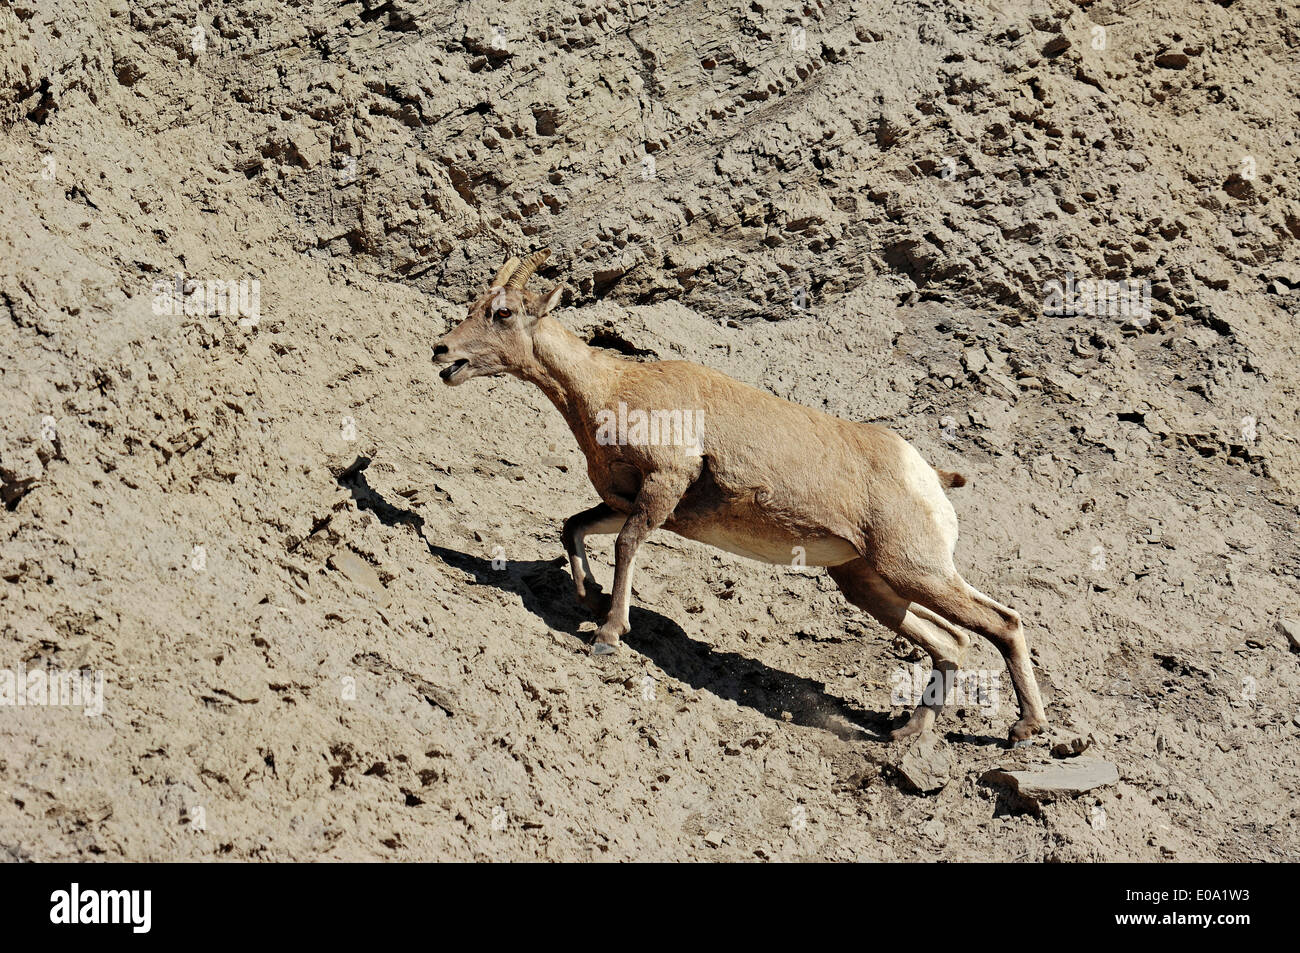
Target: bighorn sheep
<point>763,477</point>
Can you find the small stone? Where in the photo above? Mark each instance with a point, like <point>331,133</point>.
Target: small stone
<point>359,572</point>
<point>975,359</point>
<point>1291,629</point>
<point>713,839</point>
<point>924,767</point>
<point>1001,384</point>
<point>1056,46</point>
<point>1072,748</point>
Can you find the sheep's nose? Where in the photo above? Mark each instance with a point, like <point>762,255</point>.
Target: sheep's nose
<point>439,350</point>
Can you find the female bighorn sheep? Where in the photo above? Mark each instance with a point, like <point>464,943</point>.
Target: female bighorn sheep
<point>762,477</point>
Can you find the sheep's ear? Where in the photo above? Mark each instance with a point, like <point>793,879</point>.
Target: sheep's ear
<point>551,300</point>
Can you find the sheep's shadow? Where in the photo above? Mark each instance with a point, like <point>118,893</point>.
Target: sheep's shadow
<point>545,588</point>
<point>546,591</point>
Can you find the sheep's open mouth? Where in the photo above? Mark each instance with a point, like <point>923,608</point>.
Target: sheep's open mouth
<point>451,370</point>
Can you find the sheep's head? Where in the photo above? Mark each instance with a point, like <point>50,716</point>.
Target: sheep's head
<point>497,336</point>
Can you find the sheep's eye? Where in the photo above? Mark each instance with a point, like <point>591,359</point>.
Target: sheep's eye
<point>502,314</point>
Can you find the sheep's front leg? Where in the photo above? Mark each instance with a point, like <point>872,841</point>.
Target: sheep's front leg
<point>660,493</point>
<point>597,521</point>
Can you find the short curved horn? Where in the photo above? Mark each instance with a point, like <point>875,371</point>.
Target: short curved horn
<point>530,265</point>
<point>506,271</point>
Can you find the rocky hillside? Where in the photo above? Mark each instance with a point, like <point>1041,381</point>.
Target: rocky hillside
<point>324,591</point>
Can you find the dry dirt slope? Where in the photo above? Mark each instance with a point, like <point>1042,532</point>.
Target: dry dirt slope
<point>350,675</point>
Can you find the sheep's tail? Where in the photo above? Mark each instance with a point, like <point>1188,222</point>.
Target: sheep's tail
<point>950,480</point>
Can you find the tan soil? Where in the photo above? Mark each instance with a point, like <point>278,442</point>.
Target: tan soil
<point>1133,490</point>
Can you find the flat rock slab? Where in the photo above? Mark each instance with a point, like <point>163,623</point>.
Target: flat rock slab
<point>1068,779</point>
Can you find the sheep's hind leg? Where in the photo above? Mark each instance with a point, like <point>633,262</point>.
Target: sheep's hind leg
<point>945,643</point>
<point>1014,648</point>
<point>950,596</point>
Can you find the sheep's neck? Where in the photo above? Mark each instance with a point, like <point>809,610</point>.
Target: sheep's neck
<point>570,373</point>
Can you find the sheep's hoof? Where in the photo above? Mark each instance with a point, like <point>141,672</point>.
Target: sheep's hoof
<point>919,723</point>
<point>1024,730</point>
<point>603,648</point>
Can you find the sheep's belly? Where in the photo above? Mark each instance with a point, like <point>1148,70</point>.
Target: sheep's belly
<point>823,551</point>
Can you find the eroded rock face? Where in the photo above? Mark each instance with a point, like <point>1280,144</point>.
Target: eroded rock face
<point>230,236</point>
